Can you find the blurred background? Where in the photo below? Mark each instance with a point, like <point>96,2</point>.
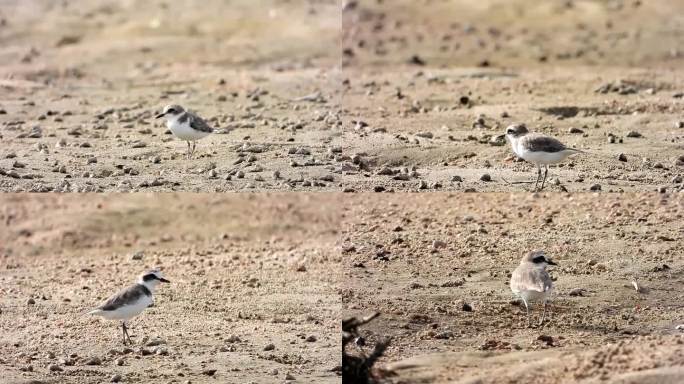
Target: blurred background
<point>507,33</point>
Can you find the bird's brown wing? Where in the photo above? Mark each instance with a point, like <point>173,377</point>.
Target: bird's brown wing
<point>125,296</point>
<point>544,143</point>
<point>198,124</point>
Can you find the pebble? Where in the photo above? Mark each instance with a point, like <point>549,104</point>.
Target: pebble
<point>437,244</point>
<point>115,379</point>
<point>575,130</point>
<point>622,157</point>
<point>289,377</point>
<point>93,361</point>
<point>30,301</point>
<point>137,255</point>
<point>595,187</point>
<point>269,347</point>
<point>486,177</point>
<point>426,135</point>
<point>633,134</point>
<point>209,372</point>
<point>422,185</point>
<point>233,339</point>
<point>457,178</point>
<point>311,339</point>
<point>55,368</point>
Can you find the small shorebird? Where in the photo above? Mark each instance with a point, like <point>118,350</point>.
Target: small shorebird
<point>530,281</point>
<point>185,125</point>
<point>130,301</point>
<point>538,149</point>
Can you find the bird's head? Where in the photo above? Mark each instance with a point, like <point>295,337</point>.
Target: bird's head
<point>151,278</point>
<point>538,258</point>
<point>515,131</point>
<point>171,111</point>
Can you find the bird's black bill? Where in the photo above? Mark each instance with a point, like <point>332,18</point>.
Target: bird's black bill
<point>550,262</point>
<point>160,115</point>
<point>163,280</point>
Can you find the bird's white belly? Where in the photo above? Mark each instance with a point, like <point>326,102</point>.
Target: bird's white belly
<point>530,296</point>
<point>127,311</point>
<point>542,157</point>
<point>184,131</point>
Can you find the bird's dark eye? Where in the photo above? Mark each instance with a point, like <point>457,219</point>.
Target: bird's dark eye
<point>510,131</point>
<point>539,259</point>
<point>171,110</point>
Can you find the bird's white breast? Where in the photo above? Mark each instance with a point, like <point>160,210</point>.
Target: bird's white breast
<point>183,130</point>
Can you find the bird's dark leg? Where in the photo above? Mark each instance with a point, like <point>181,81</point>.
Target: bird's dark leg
<point>194,144</point>
<point>546,303</point>
<point>527,310</point>
<point>188,155</point>
<point>126,333</point>
<point>546,172</point>
<point>123,332</point>
<point>538,177</point>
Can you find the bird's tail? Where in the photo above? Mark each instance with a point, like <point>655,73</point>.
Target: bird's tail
<point>93,312</point>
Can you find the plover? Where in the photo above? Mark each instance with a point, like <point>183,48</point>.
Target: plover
<point>131,301</point>
<point>185,125</point>
<point>538,149</point>
<point>531,282</point>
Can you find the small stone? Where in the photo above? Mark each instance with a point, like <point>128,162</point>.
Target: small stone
<point>137,255</point>
<point>622,157</point>
<point>546,339</point>
<point>209,372</point>
<point>55,368</point>
<point>233,339</point>
<point>576,292</point>
<point>437,244</point>
<point>426,135</point>
<point>422,184</point>
<point>467,307</point>
<point>269,347</point>
<point>274,372</point>
<point>289,377</point>
<point>575,130</point>
<point>311,339</point>
<point>457,178</point>
<point>595,187</point>
<point>120,361</point>
<point>633,134</point>
<point>31,301</point>
<point>115,379</point>
<point>93,361</point>
<point>486,177</point>
<point>92,160</point>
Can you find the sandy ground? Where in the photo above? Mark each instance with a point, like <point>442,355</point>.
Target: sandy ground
<point>246,271</point>
<point>315,95</point>
<point>82,80</point>
<point>437,268</point>
<point>431,85</point>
